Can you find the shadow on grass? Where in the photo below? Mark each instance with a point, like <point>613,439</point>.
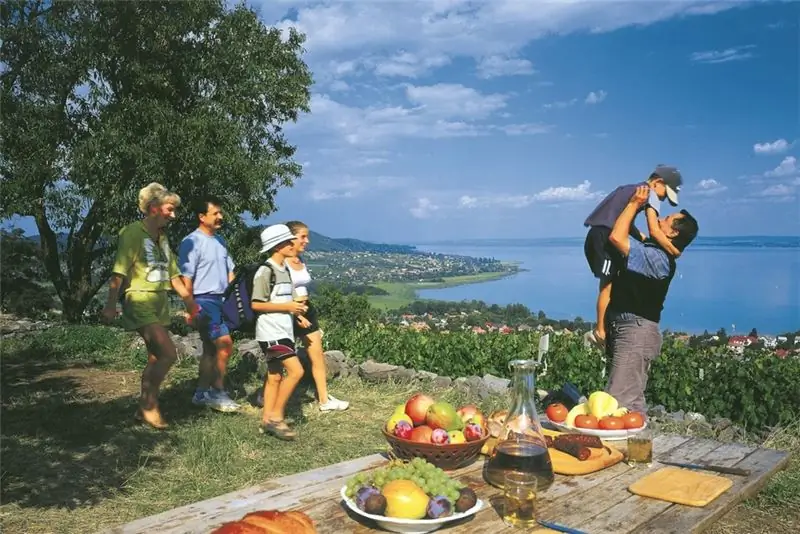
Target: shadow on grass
<point>63,445</point>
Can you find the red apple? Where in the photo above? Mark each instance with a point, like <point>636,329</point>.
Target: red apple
<point>422,434</point>
<point>440,436</point>
<point>479,419</point>
<point>403,430</point>
<point>473,432</point>
<point>467,412</point>
<point>417,408</point>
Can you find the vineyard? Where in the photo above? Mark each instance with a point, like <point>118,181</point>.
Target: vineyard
<point>757,390</point>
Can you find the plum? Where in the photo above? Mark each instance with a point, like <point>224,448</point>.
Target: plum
<point>375,504</point>
<point>466,500</point>
<point>440,437</point>
<point>438,507</point>
<point>363,494</point>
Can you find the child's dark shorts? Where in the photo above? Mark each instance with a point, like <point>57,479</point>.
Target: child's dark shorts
<point>603,259</point>
<point>278,350</point>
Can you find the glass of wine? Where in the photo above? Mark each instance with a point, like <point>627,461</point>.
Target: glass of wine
<point>519,503</point>
<point>640,448</point>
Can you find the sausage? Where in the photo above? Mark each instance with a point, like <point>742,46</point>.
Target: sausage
<point>580,439</point>
<point>549,441</point>
<point>573,449</point>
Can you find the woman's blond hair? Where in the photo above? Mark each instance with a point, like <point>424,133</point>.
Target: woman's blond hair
<point>155,193</point>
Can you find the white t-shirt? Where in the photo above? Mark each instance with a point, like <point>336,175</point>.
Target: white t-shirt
<point>276,325</point>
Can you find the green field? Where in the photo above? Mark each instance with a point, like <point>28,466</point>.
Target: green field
<point>404,293</point>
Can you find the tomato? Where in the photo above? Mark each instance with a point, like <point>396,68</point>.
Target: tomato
<point>612,423</point>
<point>633,420</point>
<point>557,412</point>
<point>586,421</point>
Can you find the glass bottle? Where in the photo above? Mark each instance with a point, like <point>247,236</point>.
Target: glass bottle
<point>521,445</point>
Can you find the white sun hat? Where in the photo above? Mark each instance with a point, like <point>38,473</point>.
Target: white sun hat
<point>275,235</point>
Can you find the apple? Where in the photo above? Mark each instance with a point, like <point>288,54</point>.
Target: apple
<point>479,419</point>
<point>417,408</point>
<point>421,434</point>
<point>403,430</point>
<point>467,412</point>
<point>473,432</point>
<point>440,436</point>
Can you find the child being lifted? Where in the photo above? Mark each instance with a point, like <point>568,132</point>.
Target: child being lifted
<point>664,183</point>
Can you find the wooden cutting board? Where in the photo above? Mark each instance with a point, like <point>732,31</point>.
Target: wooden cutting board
<point>681,486</point>
<point>564,464</point>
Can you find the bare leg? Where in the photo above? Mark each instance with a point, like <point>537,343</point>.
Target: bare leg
<point>161,357</point>
<point>271,384</point>
<point>223,347</point>
<point>294,372</point>
<point>603,299</point>
<point>206,365</point>
<point>318,369</point>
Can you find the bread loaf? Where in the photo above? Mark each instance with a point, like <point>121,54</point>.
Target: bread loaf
<point>270,522</point>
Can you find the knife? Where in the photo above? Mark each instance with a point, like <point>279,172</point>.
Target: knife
<point>715,468</point>
<point>559,528</point>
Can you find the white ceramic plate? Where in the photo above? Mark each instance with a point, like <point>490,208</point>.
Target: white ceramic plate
<point>609,435</point>
<point>408,526</point>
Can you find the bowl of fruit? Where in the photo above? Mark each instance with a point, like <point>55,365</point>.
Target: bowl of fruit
<point>601,416</point>
<point>409,496</point>
<point>436,431</point>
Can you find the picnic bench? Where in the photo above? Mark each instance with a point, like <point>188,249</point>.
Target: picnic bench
<point>596,503</point>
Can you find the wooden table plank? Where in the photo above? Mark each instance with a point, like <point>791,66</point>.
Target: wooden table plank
<point>199,517</point>
<point>684,519</point>
<point>598,502</point>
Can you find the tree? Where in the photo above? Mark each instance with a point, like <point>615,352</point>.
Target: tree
<point>22,276</point>
<point>101,98</point>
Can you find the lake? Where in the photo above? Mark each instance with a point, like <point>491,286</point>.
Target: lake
<point>734,283</point>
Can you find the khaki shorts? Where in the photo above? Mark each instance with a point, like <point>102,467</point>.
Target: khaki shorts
<point>142,308</point>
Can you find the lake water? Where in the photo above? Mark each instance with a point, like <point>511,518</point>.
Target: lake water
<point>735,283</point>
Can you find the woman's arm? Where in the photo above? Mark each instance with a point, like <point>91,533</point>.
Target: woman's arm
<point>188,299</point>
<point>295,308</point>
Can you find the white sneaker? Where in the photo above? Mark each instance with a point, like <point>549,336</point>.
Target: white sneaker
<point>333,404</point>
<point>216,400</point>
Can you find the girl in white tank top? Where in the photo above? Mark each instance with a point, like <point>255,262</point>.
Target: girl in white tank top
<point>310,331</point>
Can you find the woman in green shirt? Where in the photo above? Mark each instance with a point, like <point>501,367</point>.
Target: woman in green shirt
<point>144,260</point>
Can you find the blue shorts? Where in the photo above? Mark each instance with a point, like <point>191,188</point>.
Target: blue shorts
<point>210,323</point>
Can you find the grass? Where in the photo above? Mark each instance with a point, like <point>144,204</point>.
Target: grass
<point>404,293</point>
<point>74,462</point>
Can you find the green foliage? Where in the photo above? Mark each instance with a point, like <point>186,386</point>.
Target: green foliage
<point>100,98</point>
<point>756,391</point>
<point>22,277</point>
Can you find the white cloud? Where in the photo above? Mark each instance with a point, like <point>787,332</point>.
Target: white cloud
<point>330,188</point>
<point>495,66</point>
<point>787,167</point>
<point>526,129</point>
<point>339,86</point>
<point>424,208</point>
<point>409,65</point>
<point>775,147</point>
<point>595,97</point>
<point>710,187</point>
<point>580,193</point>
<point>434,112</point>
<point>561,104</point>
<point>455,100</point>
<point>737,53</point>
<point>777,190</point>
<point>456,28</point>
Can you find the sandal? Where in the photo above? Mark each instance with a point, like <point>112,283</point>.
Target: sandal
<point>279,429</point>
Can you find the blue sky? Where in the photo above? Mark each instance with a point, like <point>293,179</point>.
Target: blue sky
<point>458,119</point>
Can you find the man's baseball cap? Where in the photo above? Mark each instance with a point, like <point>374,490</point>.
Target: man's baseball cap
<point>672,181</point>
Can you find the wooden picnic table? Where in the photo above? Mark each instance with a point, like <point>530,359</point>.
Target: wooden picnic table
<point>596,503</point>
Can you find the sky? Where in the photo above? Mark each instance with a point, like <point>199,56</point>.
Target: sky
<point>450,119</point>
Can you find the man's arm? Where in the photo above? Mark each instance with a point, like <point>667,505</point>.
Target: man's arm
<point>187,261</point>
<point>620,234</point>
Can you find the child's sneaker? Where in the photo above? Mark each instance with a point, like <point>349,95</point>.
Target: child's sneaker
<point>214,399</point>
<point>333,404</point>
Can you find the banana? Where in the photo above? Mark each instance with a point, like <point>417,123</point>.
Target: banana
<point>620,412</point>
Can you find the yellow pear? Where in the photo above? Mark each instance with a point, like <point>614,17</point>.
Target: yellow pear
<point>405,499</point>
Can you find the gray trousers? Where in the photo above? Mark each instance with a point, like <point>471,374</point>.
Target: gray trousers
<point>632,345</point>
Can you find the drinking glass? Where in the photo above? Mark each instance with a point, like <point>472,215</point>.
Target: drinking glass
<point>640,448</point>
<point>519,491</point>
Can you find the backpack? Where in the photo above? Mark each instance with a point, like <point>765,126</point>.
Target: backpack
<point>237,310</point>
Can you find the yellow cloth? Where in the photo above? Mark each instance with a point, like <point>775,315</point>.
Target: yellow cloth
<point>148,268</point>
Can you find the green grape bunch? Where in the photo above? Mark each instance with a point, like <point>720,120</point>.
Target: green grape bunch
<point>431,479</point>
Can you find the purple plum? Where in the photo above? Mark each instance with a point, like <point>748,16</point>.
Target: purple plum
<point>363,494</point>
<point>438,507</point>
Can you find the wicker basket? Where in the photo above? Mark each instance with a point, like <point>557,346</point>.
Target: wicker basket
<point>450,456</point>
